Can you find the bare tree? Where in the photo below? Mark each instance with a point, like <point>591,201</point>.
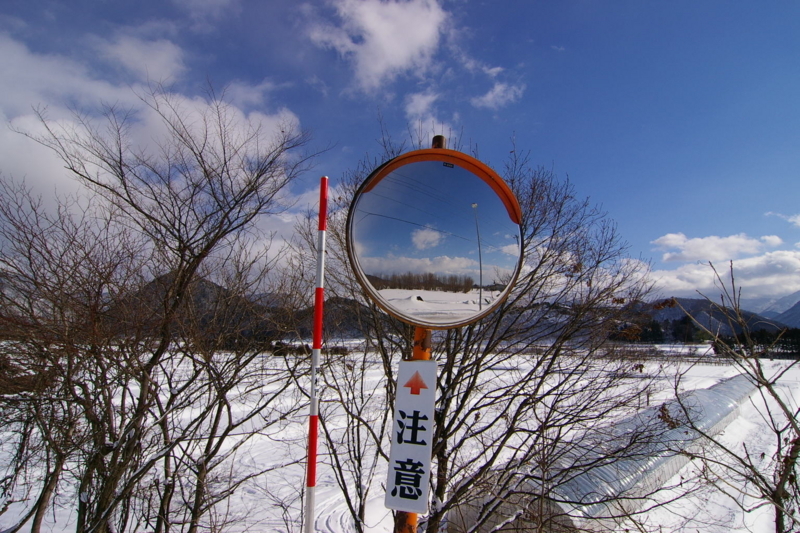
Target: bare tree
<point>59,271</point>
<point>518,393</point>
<point>100,305</point>
<point>748,478</point>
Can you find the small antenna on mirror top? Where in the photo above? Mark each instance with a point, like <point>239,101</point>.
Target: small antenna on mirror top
<point>439,141</point>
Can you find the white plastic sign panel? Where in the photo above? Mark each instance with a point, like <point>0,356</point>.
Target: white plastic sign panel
<point>412,438</point>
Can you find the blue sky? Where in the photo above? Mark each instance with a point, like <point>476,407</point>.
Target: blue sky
<point>681,119</point>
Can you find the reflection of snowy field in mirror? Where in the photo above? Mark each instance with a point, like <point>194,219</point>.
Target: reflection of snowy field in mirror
<point>438,306</point>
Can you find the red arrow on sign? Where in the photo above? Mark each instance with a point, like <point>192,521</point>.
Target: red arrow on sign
<point>415,383</point>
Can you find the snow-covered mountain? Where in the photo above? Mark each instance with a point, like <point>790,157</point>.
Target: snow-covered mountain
<point>791,317</point>
<point>771,307</point>
<point>707,314</point>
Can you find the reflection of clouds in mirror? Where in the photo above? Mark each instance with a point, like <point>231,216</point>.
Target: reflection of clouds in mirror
<point>437,307</point>
<point>397,264</point>
<point>441,266</point>
<point>359,248</point>
<point>425,238</point>
<point>511,249</point>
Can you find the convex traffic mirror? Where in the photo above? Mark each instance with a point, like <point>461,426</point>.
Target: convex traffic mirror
<point>434,237</point>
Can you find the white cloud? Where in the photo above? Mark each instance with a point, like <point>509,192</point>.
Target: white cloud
<point>442,264</point>
<point>511,249</point>
<point>28,79</point>
<point>711,248</point>
<point>418,105</point>
<point>245,95</point>
<point>384,38</point>
<point>772,240</point>
<point>792,219</point>
<point>771,274</point>
<point>23,159</point>
<point>158,60</point>
<point>421,113</point>
<point>492,72</point>
<point>425,238</point>
<point>59,83</point>
<point>498,96</point>
<point>470,63</point>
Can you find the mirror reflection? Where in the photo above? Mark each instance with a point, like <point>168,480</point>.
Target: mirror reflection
<point>434,243</point>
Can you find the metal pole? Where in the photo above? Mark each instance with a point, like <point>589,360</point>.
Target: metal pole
<point>480,260</point>
<point>407,522</point>
<point>313,418</point>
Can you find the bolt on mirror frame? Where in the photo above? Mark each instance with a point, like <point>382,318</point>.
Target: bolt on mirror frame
<point>477,170</point>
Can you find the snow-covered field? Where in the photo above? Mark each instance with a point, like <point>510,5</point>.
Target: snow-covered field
<point>439,307</point>
<point>272,502</point>
<point>704,511</point>
<point>708,510</point>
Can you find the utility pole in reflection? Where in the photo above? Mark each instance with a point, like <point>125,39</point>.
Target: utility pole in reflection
<point>480,260</point>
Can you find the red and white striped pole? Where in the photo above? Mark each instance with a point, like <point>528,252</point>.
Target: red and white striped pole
<point>313,419</point>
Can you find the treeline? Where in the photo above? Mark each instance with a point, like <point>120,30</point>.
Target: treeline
<point>653,332</point>
<point>684,330</point>
<point>786,342</point>
<point>426,282</point>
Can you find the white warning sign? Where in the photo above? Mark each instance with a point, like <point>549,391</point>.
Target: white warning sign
<point>412,437</point>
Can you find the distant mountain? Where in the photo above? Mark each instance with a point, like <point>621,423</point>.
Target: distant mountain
<point>771,307</point>
<point>210,313</point>
<point>784,304</point>
<point>674,318</point>
<point>790,317</point>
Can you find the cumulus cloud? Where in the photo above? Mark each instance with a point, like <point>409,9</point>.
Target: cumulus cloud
<point>771,274</point>
<point>711,248</point>
<point>442,264</point>
<point>420,110</point>
<point>419,105</point>
<point>157,60</point>
<point>31,79</point>
<point>425,238</point>
<point>511,249</point>
<point>48,81</point>
<point>58,83</point>
<point>492,72</point>
<point>501,94</point>
<point>772,240</point>
<point>246,95</point>
<point>384,38</point>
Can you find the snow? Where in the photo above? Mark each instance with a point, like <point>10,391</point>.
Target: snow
<point>438,307</point>
<point>257,500</point>
<point>709,510</point>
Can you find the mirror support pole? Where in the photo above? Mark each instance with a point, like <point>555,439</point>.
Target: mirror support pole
<point>422,344</point>
<point>407,522</point>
